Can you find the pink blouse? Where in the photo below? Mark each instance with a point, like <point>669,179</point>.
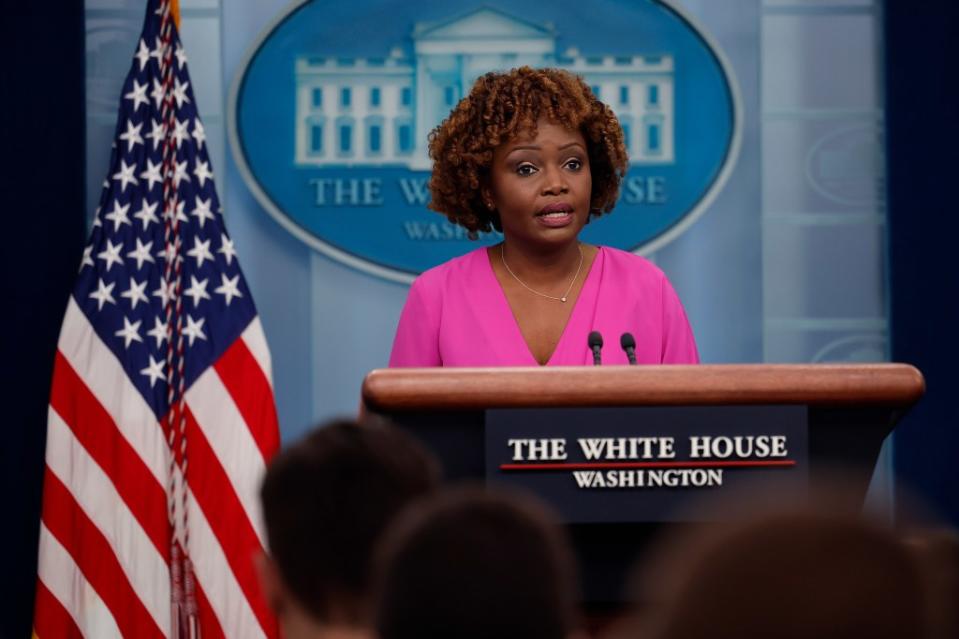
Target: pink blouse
<point>457,315</point>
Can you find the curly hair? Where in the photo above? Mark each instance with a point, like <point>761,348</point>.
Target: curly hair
<point>500,107</point>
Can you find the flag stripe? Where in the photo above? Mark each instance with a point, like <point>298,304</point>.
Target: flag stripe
<point>55,622</point>
<point>60,574</point>
<point>235,449</point>
<point>106,380</point>
<point>256,342</point>
<point>93,556</point>
<point>228,521</point>
<point>209,625</point>
<point>142,563</point>
<point>221,589</point>
<point>98,434</point>
<point>232,609</point>
<point>248,386</point>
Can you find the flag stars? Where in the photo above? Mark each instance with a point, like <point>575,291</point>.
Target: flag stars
<point>167,253</point>
<point>152,173</point>
<point>200,251</point>
<point>143,54</point>
<point>125,175</point>
<point>130,332</point>
<point>194,329</point>
<point>202,172</point>
<point>159,50</point>
<point>159,331</point>
<point>202,211</point>
<point>157,132</point>
<point>142,254</point>
<point>147,213</point>
<point>154,371</point>
<point>180,55</point>
<point>138,94</point>
<point>180,173</point>
<point>165,292</point>
<point>229,288</point>
<point>132,136</point>
<point>197,290</point>
<point>87,260</point>
<point>174,211</point>
<point>145,332</point>
<point>180,132</point>
<point>199,133</point>
<point>135,293</point>
<point>179,92</point>
<point>226,248</point>
<point>111,255</point>
<point>157,92</point>
<point>118,215</point>
<point>103,294</point>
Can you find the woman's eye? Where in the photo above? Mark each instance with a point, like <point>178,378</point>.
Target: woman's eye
<point>525,169</point>
<point>574,165</point>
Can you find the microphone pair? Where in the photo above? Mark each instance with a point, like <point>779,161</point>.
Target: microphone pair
<point>626,341</point>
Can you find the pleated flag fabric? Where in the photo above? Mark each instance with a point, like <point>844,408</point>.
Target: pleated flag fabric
<point>161,417</point>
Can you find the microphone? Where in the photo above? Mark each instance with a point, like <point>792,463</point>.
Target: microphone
<point>595,342</point>
<point>628,343</point>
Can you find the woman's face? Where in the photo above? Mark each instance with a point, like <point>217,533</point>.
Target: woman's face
<point>541,185</point>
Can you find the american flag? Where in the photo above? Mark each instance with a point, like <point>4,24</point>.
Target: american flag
<point>161,414</point>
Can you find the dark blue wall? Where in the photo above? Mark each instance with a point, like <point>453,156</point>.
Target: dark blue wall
<point>42,186</point>
<point>922,109</point>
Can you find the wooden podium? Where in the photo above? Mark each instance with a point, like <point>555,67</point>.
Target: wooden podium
<point>849,410</point>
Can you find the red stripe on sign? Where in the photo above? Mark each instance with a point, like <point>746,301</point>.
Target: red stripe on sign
<point>209,624</point>
<point>94,428</point>
<point>785,463</point>
<point>248,386</point>
<point>51,620</point>
<point>91,551</point>
<point>216,497</point>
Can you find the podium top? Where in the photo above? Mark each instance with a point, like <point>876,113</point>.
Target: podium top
<point>411,389</point>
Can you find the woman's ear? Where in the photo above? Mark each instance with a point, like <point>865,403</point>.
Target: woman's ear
<point>487,198</point>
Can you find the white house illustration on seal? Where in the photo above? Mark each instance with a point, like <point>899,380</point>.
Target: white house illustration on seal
<point>378,111</point>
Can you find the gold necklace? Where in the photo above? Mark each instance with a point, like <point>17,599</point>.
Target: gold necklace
<point>502,254</point>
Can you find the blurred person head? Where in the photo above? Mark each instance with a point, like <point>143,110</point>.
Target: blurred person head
<point>326,501</point>
<point>938,554</point>
<point>471,564</point>
<point>798,575</point>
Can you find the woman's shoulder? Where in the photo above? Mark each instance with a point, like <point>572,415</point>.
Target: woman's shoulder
<point>451,271</point>
<point>625,264</point>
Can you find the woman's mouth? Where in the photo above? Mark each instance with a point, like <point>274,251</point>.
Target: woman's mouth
<point>555,215</point>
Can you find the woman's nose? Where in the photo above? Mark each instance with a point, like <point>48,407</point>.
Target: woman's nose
<point>554,182</point>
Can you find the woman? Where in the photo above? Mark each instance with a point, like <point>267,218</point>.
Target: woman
<point>534,154</point>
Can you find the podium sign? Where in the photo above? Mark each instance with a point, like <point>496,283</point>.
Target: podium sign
<point>539,428</point>
<point>646,463</point>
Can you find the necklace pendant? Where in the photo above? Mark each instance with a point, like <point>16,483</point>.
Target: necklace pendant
<point>502,255</point>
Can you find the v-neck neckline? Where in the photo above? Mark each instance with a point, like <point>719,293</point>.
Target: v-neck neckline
<point>507,310</point>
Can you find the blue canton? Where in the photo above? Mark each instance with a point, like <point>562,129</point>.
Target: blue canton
<point>121,286</point>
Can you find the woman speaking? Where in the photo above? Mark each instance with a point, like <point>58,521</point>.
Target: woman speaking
<point>533,154</point>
